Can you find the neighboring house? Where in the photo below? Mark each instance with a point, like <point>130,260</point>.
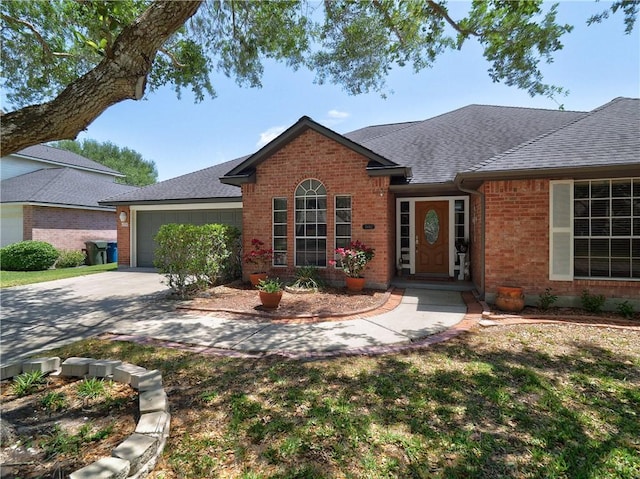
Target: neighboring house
<point>51,195</point>
<point>546,199</point>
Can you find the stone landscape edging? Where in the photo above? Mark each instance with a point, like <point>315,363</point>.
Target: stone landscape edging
<point>136,456</point>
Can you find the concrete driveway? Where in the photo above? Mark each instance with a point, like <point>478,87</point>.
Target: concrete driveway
<point>47,315</point>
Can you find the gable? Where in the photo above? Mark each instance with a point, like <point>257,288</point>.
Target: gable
<point>377,165</point>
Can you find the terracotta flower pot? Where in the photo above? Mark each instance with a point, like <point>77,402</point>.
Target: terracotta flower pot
<point>270,300</point>
<point>510,299</point>
<point>255,278</point>
<point>354,284</point>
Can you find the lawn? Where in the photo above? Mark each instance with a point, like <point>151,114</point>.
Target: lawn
<point>19,278</point>
<point>528,401</point>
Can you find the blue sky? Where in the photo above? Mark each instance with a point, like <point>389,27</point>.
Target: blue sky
<point>597,64</point>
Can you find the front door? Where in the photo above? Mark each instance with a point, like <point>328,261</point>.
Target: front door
<point>432,237</point>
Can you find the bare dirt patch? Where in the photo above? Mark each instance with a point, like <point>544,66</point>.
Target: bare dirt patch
<point>56,441</point>
<point>239,299</point>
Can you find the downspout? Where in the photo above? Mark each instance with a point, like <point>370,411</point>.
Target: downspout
<point>458,182</point>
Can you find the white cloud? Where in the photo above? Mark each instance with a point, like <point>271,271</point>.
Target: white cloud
<point>270,134</point>
<point>338,115</point>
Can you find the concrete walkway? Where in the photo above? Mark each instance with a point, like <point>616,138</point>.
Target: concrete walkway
<point>421,313</point>
<point>130,303</point>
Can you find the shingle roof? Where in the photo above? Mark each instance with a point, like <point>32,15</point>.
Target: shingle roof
<point>199,185</point>
<point>607,136</point>
<point>438,148</point>
<point>63,157</point>
<point>60,186</point>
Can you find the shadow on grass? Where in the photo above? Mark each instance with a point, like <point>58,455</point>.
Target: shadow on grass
<point>456,410</point>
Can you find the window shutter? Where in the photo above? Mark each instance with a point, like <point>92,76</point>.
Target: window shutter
<point>560,231</point>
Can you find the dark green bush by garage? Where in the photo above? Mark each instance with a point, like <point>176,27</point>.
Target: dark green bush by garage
<point>28,256</point>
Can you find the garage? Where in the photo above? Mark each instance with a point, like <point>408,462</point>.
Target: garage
<point>148,223</point>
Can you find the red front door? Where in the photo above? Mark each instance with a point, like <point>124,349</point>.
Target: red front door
<point>432,237</point>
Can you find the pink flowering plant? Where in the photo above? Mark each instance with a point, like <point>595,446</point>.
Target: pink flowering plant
<point>259,256</point>
<point>354,259</point>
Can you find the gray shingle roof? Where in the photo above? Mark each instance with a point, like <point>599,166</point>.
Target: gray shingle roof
<point>200,185</point>
<point>438,148</point>
<point>607,136</point>
<point>63,157</point>
<point>60,186</point>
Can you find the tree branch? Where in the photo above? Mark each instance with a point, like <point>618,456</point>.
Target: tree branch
<point>173,58</point>
<point>440,10</point>
<point>113,80</point>
<point>36,33</point>
<point>392,26</point>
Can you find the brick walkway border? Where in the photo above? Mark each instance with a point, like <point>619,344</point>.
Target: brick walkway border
<point>476,311</point>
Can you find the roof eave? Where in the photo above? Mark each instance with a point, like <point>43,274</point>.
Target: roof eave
<point>401,171</point>
<point>238,180</point>
<point>216,199</point>
<point>576,172</point>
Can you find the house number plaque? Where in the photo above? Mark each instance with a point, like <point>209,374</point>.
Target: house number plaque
<point>368,226</point>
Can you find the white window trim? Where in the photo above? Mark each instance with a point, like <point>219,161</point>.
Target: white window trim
<point>295,235</point>
<point>273,231</point>
<point>335,223</point>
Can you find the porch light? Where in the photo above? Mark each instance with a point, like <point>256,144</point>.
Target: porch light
<point>123,216</point>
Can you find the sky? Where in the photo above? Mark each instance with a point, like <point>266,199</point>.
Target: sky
<point>598,63</point>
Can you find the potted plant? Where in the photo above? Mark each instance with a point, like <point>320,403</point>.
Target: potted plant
<point>259,258</point>
<point>270,290</point>
<point>353,262</point>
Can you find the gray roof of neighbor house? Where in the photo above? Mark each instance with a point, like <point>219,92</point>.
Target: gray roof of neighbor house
<point>199,186</point>
<point>608,136</point>
<point>60,187</point>
<point>438,148</point>
<point>57,156</point>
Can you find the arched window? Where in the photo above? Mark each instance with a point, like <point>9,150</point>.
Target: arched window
<point>311,223</point>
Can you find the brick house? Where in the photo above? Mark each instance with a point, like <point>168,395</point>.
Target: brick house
<point>51,195</point>
<point>544,198</point>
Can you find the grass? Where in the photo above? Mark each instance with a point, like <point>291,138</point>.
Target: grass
<point>530,401</point>
<point>20,278</point>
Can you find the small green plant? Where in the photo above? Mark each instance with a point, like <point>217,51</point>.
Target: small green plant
<point>26,383</point>
<point>70,258</point>
<point>592,302</point>
<point>53,401</point>
<point>546,299</point>
<point>59,441</point>
<point>28,256</point>
<point>91,388</point>
<point>307,278</point>
<point>270,285</point>
<point>625,309</point>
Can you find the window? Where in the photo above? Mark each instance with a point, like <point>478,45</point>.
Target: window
<point>342,223</point>
<point>279,232</point>
<point>311,223</point>
<point>606,228</point>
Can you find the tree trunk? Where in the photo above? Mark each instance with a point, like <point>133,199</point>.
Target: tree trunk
<point>118,77</point>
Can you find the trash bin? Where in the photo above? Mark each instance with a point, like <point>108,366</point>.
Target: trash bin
<point>96,252</point>
<point>112,252</point>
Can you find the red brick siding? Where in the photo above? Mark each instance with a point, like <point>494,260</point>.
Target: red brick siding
<point>124,242</point>
<point>68,228</point>
<point>517,244</point>
<point>343,172</point>
<point>475,239</point>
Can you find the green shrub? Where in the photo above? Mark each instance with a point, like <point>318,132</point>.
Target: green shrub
<point>194,257</point>
<point>26,383</point>
<point>625,309</point>
<point>546,299</point>
<point>69,258</point>
<point>307,277</point>
<point>592,302</point>
<point>28,256</point>
<point>53,401</point>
